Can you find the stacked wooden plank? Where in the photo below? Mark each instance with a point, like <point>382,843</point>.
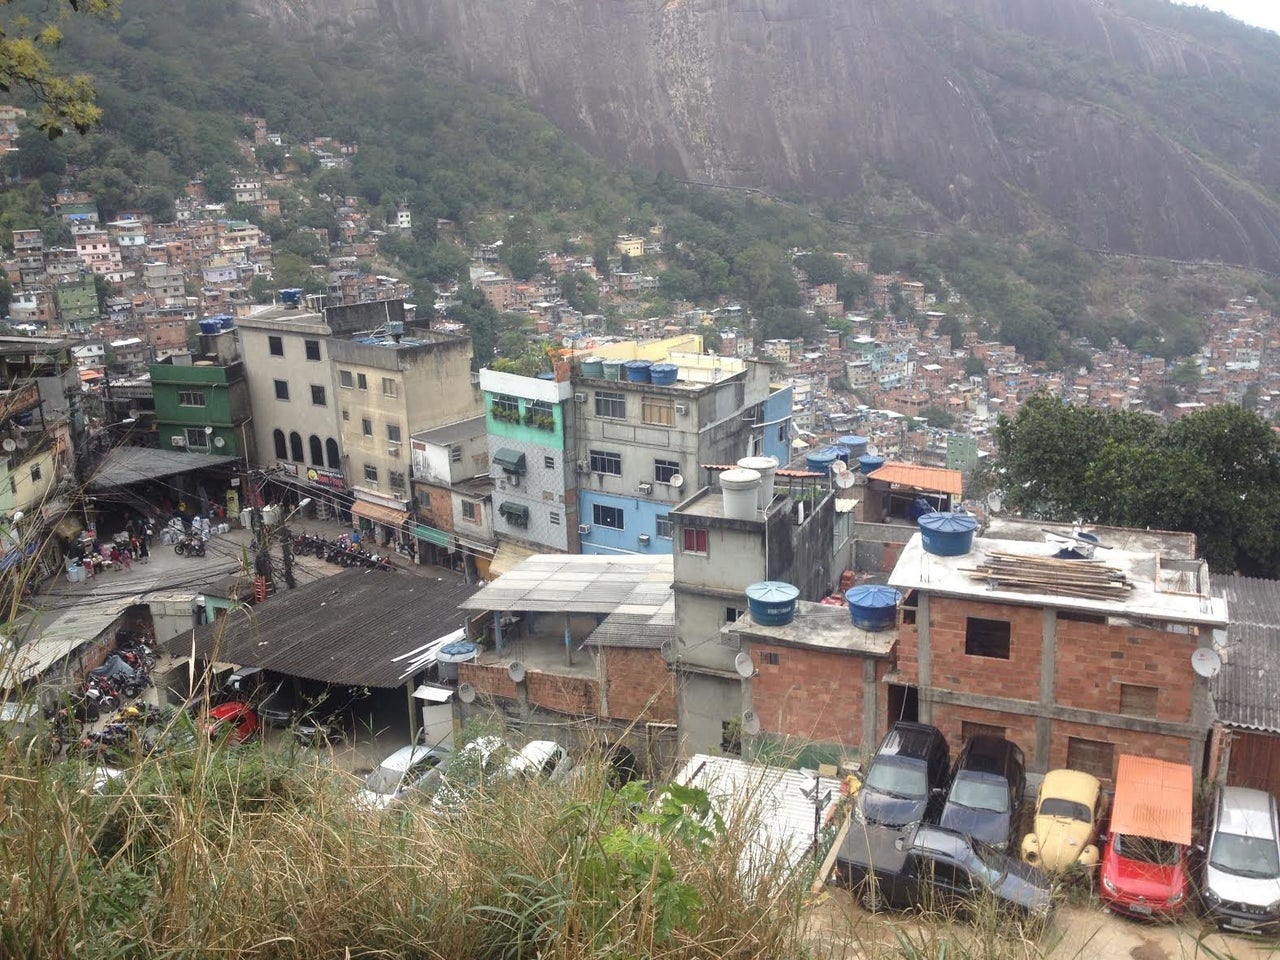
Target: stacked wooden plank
<point>1092,579</point>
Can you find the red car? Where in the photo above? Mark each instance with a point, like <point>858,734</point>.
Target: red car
<point>1144,863</point>
<point>234,722</point>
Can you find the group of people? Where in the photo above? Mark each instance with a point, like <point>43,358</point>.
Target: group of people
<point>133,543</point>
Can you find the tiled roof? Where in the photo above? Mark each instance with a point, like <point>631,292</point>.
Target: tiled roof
<point>1246,691</point>
<point>934,479</point>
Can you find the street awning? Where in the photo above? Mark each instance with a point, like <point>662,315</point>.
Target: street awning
<point>510,461</point>
<point>388,516</point>
<point>515,513</point>
<point>124,466</point>
<point>506,557</point>
<point>429,534</point>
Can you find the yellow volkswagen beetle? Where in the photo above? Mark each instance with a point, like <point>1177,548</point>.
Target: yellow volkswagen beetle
<point>1066,820</point>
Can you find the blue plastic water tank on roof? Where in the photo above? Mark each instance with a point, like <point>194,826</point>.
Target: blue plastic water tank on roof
<point>947,534</point>
<point>772,603</point>
<point>873,606</point>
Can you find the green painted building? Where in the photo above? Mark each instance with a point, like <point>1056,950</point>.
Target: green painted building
<point>78,302</point>
<point>202,404</point>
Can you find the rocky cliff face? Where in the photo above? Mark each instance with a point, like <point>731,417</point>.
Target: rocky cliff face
<point>1141,135</point>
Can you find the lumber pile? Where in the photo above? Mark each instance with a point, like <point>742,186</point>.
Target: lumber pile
<point>1091,579</point>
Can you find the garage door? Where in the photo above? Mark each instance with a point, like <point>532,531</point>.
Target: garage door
<point>1255,760</point>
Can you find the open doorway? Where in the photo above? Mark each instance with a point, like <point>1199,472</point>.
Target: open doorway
<point>903,703</point>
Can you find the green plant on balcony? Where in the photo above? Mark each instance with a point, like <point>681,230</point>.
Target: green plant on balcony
<point>529,417</point>
<point>505,414</point>
<point>545,422</point>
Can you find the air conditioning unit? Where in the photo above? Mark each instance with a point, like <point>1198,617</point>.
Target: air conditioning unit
<point>579,398</point>
<point>644,539</point>
<point>584,528</point>
<point>646,486</point>
<point>178,441</point>
<point>393,452</point>
<point>682,408</point>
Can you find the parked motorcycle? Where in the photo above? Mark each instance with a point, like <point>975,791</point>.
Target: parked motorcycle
<point>190,546</point>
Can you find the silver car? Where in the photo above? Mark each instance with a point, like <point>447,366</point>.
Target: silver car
<point>1241,886</point>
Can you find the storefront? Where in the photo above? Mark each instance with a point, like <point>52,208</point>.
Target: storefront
<point>383,522</point>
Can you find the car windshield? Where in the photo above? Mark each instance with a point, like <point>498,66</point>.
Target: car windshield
<point>980,793</point>
<point>1162,853</point>
<point>1069,809</point>
<point>991,863</point>
<point>898,778</point>
<point>1245,856</point>
<point>384,780</point>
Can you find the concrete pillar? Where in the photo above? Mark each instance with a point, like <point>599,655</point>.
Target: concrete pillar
<point>925,659</point>
<point>870,707</point>
<point>1048,688</point>
<point>568,640</point>
<point>497,631</point>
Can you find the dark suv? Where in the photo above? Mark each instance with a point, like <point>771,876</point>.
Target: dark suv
<point>905,780</point>
<point>987,786</point>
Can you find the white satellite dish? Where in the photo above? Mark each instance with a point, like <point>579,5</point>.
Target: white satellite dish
<point>845,480</point>
<point>995,501</point>
<point>668,651</point>
<point>219,442</point>
<point>515,670</point>
<point>745,666</point>
<point>133,414</point>
<point>750,723</point>
<point>9,445</point>
<point>1206,662</point>
<point>676,481</point>
<point>466,693</point>
<point>872,450</point>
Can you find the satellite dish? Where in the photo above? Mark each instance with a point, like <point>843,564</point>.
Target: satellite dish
<point>219,442</point>
<point>676,481</point>
<point>466,693</point>
<point>845,479</point>
<point>750,723</point>
<point>9,445</point>
<point>515,670</point>
<point>995,501</point>
<point>872,450</point>
<point>1206,662</point>
<point>745,666</point>
<point>133,413</point>
<point>668,651</point>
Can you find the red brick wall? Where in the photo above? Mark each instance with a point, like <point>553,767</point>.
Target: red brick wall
<point>1094,659</point>
<point>577,696</point>
<point>640,685</point>
<point>953,669</point>
<point>949,718</point>
<point>1159,746</point>
<point>908,653</point>
<point>811,694</point>
<point>489,681</point>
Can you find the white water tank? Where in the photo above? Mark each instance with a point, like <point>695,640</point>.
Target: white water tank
<point>741,492</point>
<point>766,467</point>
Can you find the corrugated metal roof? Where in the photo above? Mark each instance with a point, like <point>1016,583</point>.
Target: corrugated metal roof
<point>647,618</point>
<point>1152,799</point>
<point>1246,691</point>
<point>126,465</point>
<point>348,628</point>
<point>933,479</point>
<point>563,583</point>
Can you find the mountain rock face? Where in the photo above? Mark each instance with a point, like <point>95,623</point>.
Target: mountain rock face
<point>1139,126</point>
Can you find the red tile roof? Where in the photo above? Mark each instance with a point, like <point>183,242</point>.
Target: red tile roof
<point>933,479</point>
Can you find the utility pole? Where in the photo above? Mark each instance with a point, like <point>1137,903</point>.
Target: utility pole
<point>286,542</point>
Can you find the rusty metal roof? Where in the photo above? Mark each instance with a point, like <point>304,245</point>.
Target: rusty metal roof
<point>933,479</point>
<point>1152,799</point>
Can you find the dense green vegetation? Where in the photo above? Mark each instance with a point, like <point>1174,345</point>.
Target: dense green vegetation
<point>1214,473</point>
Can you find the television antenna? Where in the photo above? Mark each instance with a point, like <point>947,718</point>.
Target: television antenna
<point>1206,662</point>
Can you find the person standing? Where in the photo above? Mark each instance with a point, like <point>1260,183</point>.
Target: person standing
<point>144,547</point>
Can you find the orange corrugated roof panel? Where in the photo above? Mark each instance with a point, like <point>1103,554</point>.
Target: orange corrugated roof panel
<point>934,479</point>
<point>1153,799</point>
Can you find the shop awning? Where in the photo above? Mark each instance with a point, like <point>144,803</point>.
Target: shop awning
<point>429,534</point>
<point>388,516</point>
<point>510,461</point>
<point>506,557</point>
<point>515,513</point>
<point>124,466</point>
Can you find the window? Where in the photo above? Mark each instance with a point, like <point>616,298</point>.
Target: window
<point>986,638</point>
<point>731,614</point>
<point>1138,701</point>
<point>282,451</point>
<point>331,454</point>
<point>555,518</point>
<point>317,451</point>
<point>660,411</point>
<point>770,659</point>
<point>539,412</point>
<point>664,470</point>
<point>276,346</point>
<point>782,431</point>
<point>366,426</point>
<point>1091,756</point>
<point>362,382</point>
<point>694,541</point>
<point>549,462</point>
<point>345,380</point>
<point>603,461</point>
<point>295,446</point>
<point>282,389</point>
<point>603,516</point>
<point>609,404</point>
<point>969,729</point>
<point>36,472</point>
<point>346,416</point>
<point>388,387</point>
<point>469,511</point>
<point>371,473</point>
<point>191,398</point>
<point>317,395</point>
<point>312,348</point>
<point>506,408</point>
<point>196,437</point>
<point>393,432</point>
<point>455,454</point>
<point>664,528</point>
<point>396,479</point>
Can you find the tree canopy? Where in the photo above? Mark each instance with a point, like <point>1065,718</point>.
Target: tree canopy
<point>1214,473</point>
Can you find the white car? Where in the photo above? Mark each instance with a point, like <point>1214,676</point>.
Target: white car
<point>544,758</point>
<point>468,769</point>
<point>407,769</point>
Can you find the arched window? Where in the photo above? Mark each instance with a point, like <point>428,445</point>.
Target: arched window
<point>317,451</point>
<point>335,459</point>
<point>282,452</point>
<point>295,447</point>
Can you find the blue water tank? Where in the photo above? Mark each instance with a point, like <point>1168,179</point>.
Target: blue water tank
<point>772,603</point>
<point>873,607</point>
<point>291,296</point>
<point>638,370</point>
<point>947,534</point>
<point>870,464</point>
<point>842,453</point>
<point>226,321</point>
<point>546,376</point>
<point>821,461</point>
<point>856,446</point>
<point>664,373</point>
<point>210,326</point>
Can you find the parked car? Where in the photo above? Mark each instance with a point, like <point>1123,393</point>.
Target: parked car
<point>1066,817</point>
<point>233,722</point>
<point>1144,869</point>
<point>409,768</point>
<point>905,781</point>
<point>544,758</point>
<point>332,719</point>
<point>1240,886</point>
<point>938,868</point>
<point>292,700</point>
<point>984,798</point>
<point>468,769</point>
